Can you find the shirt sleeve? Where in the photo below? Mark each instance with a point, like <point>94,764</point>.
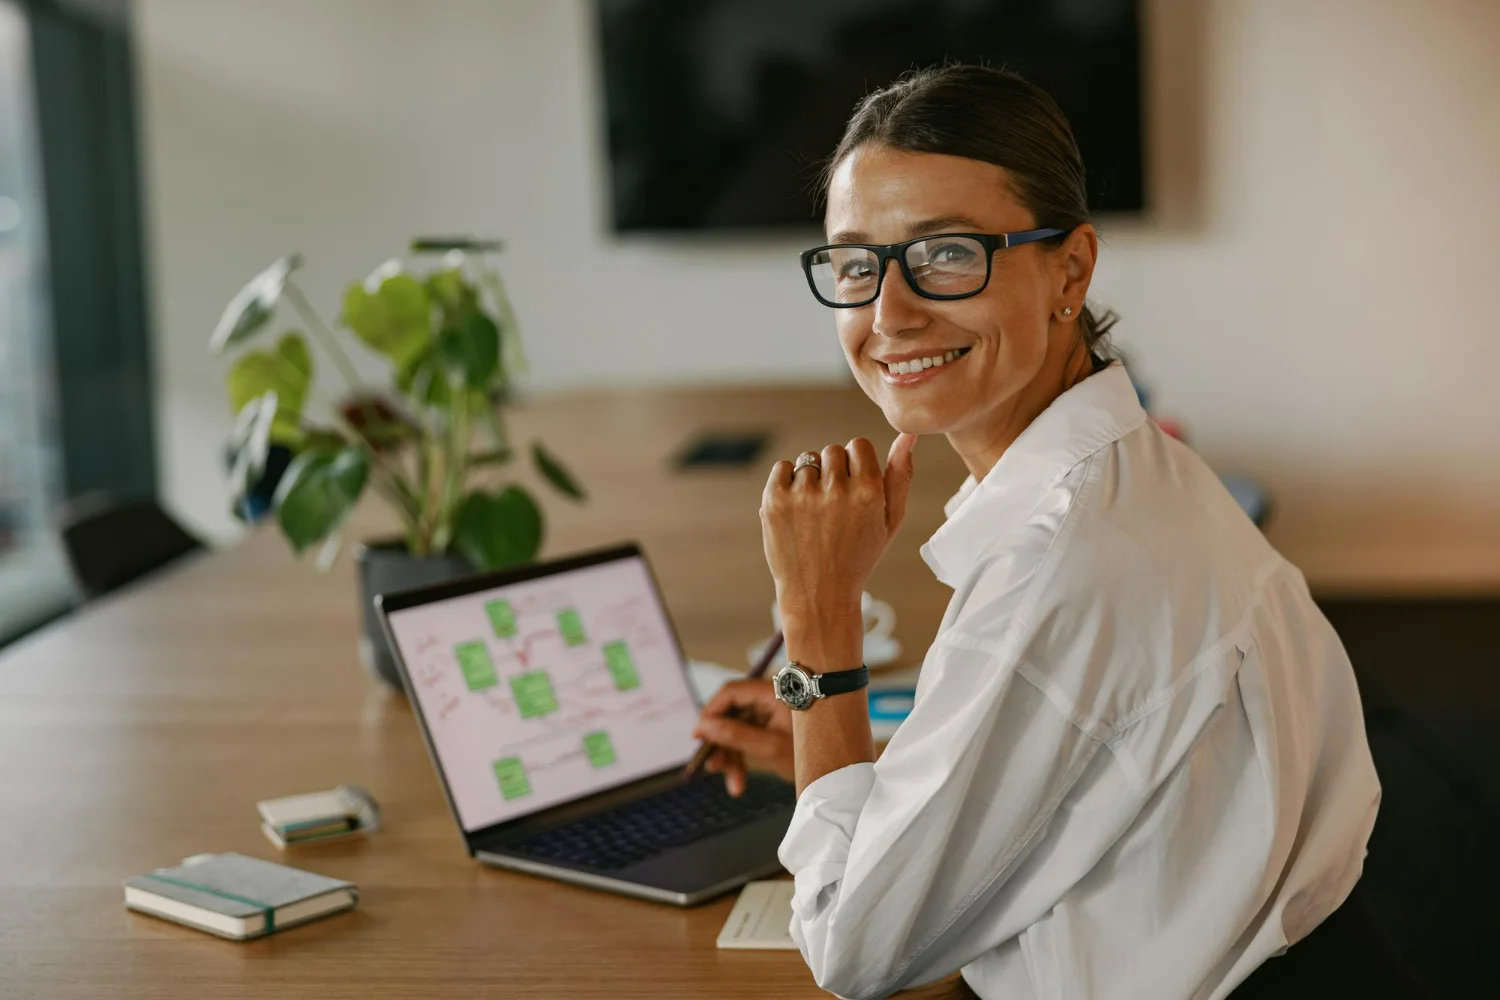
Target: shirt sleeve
<point>909,868</point>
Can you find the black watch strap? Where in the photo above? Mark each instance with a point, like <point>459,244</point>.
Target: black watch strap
<point>843,681</point>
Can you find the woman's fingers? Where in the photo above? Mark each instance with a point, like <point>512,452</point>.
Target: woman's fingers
<point>732,766</point>
<point>863,463</point>
<point>825,527</point>
<point>745,737</point>
<point>805,473</point>
<point>755,695</point>
<point>780,479</point>
<point>835,471</point>
<point>899,469</point>
<point>734,780</point>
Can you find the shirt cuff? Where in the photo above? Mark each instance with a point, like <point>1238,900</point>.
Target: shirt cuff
<point>816,846</point>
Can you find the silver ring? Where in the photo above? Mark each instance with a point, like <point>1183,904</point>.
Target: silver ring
<point>807,458</point>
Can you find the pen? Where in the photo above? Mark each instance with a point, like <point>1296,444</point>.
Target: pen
<point>706,749</point>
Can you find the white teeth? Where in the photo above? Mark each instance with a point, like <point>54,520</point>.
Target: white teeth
<point>919,364</point>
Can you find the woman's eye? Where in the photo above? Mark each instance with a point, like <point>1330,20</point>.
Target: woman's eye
<point>856,270</point>
<point>951,253</point>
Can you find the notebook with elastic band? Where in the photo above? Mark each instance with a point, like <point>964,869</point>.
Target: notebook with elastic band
<point>237,897</point>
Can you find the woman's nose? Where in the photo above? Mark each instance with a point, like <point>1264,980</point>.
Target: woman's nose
<point>898,309</point>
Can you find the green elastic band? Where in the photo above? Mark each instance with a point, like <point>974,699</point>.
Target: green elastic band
<point>268,911</point>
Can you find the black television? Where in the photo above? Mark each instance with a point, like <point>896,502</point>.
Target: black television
<point>721,112</point>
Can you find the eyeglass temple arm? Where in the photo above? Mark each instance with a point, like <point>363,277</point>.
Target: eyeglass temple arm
<point>1031,236</point>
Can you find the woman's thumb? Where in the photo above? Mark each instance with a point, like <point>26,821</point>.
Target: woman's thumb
<point>899,468</point>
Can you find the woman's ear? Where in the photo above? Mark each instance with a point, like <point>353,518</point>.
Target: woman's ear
<point>1075,263</point>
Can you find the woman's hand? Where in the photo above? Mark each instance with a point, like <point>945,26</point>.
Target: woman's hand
<point>760,737</point>
<point>825,529</point>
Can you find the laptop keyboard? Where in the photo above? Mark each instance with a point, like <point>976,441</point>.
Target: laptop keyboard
<point>647,827</point>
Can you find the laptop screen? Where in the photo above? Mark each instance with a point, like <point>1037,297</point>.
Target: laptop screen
<point>543,691</point>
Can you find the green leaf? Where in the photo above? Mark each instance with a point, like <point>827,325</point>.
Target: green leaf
<point>250,444</point>
<point>323,439</point>
<point>317,493</point>
<point>471,350</point>
<point>515,355</point>
<point>553,471</point>
<point>451,290</point>
<point>285,370</point>
<point>424,380</point>
<point>252,306</point>
<point>395,318</point>
<point>494,530</point>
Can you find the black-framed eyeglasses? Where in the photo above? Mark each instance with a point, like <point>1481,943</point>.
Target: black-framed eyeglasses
<point>945,266</point>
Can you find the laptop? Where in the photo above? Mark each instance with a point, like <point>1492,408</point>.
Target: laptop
<point>555,704</point>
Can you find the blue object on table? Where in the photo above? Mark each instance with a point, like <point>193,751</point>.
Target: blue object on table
<point>892,705</point>
<point>1251,496</point>
<point>889,707</point>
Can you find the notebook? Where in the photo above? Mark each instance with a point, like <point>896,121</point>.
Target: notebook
<point>237,897</point>
<point>345,811</point>
<point>761,917</point>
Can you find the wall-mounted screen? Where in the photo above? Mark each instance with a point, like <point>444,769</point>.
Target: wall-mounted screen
<point>720,112</point>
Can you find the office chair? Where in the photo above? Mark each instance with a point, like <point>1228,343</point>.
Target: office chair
<point>112,542</point>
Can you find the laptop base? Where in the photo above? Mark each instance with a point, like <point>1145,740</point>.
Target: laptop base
<point>682,876</point>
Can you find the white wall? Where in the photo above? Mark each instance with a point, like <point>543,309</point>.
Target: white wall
<point>1312,293</point>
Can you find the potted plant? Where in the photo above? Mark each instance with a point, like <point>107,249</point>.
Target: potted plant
<point>449,337</point>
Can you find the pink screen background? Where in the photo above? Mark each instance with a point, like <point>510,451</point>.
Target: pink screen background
<point>649,726</point>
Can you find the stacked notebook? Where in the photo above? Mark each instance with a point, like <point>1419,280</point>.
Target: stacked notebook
<point>761,917</point>
<point>237,897</point>
<point>346,811</point>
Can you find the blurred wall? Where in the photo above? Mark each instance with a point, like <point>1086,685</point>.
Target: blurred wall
<point>1311,294</point>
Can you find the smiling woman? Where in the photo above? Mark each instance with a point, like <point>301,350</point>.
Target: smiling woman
<point>963,167</point>
<point>1135,766</point>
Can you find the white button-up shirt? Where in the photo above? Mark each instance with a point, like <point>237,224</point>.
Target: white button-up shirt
<point>1136,766</point>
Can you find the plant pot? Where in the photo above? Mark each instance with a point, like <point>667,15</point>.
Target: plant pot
<point>386,567</point>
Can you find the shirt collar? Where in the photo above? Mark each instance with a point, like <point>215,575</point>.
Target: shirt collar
<point>1091,415</point>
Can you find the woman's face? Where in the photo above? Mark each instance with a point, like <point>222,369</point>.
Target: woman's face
<point>998,339</point>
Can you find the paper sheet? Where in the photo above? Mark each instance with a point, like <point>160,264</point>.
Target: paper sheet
<point>761,917</point>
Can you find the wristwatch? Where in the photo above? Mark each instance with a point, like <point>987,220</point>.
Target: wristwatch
<point>797,688</point>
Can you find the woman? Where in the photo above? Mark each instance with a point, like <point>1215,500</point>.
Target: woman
<point>1136,765</point>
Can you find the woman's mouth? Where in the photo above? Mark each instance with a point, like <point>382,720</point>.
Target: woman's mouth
<point>914,371</point>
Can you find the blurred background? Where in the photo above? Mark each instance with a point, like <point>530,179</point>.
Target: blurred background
<point>1297,202</point>
<point>1300,246</point>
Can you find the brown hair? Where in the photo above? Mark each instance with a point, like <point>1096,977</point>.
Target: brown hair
<point>995,116</point>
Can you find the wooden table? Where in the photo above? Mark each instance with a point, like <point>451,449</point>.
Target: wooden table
<point>145,728</point>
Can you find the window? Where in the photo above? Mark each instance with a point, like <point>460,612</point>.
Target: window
<point>75,401</point>
<point>34,582</point>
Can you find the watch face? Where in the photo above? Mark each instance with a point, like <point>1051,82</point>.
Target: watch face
<point>794,687</point>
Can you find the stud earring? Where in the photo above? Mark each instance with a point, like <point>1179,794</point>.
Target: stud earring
<point>1067,310</point>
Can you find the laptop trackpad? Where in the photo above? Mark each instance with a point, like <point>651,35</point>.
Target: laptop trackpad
<point>747,850</point>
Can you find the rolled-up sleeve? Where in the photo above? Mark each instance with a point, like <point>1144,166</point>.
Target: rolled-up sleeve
<point>904,868</point>
<point>816,846</point>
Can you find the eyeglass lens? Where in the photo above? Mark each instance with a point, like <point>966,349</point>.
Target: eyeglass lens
<point>943,265</point>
